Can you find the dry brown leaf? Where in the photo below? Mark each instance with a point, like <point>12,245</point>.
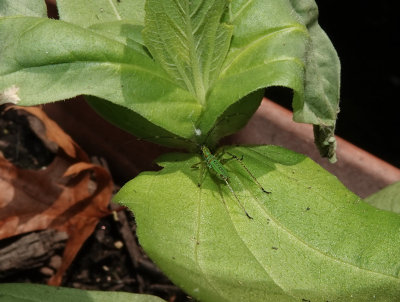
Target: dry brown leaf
<point>69,195</point>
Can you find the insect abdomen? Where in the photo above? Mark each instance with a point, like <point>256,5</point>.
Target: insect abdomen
<point>214,164</point>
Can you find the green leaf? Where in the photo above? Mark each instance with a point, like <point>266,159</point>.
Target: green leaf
<point>33,8</point>
<point>386,199</point>
<point>188,40</point>
<point>208,60</point>
<point>48,60</point>
<point>132,122</point>
<point>267,49</point>
<point>90,12</point>
<point>310,239</point>
<point>41,293</point>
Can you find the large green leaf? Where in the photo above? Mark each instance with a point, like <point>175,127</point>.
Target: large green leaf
<point>387,199</point>
<point>310,239</point>
<point>41,293</point>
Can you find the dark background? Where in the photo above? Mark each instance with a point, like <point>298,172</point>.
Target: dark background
<point>366,35</point>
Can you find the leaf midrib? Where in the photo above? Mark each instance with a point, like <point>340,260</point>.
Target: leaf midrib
<point>248,48</point>
<point>240,11</point>
<point>117,15</point>
<point>198,231</point>
<point>265,63</point>
<point>131,66</point>
<point>90,32</point>
<point>197,75</point>
<point>196,247</point>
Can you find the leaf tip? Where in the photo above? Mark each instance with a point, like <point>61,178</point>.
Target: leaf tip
<point>326,142</point>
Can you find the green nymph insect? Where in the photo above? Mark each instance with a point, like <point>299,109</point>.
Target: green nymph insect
<point>214,162</point>
<point>215,166</point>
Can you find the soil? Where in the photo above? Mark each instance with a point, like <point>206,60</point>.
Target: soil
<point>19,144</point>
<point>105,262</point>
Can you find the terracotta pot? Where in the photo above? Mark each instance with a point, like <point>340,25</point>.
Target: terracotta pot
<point>360,171</point>
<point>125,155</point>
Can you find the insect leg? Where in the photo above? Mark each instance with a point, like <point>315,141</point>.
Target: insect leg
<point>234,194</point>
<point>196,165</point>
<point>202,172</point>
<point>240,160</point>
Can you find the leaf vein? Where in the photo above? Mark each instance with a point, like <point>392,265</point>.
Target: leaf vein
<point>115,10</point>
<point>278,224</point>
<point>255,43</point>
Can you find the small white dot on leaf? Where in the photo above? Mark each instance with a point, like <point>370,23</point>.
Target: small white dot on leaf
<point>10,95</point>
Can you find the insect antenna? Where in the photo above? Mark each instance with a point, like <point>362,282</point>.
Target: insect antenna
<point>240,161</point>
